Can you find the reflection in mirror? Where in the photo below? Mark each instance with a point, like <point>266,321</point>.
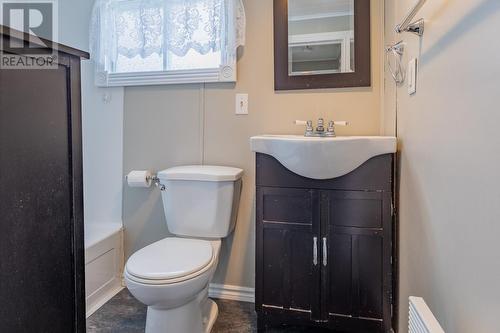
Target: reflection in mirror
<point>320,37</point>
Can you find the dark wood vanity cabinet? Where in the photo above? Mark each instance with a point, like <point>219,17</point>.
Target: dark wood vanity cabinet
<point>324,248</point>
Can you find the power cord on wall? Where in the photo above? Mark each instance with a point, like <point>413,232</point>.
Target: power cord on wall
<point>395,65</point>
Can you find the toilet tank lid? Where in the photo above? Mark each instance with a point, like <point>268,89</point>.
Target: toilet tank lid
<point>201,173</point>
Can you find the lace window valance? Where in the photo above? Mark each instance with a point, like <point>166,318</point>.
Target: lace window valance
<point>165,35</point>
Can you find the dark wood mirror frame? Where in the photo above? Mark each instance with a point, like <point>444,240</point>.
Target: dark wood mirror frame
<point>360,78</point>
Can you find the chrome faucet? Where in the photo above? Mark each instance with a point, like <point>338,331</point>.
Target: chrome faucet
<point>320,128</point>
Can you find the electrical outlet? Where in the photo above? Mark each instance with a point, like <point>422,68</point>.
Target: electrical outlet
<point>241,104</point>
<point>412,76</point>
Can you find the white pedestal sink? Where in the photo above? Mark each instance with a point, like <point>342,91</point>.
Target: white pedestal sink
<point>323,158</point>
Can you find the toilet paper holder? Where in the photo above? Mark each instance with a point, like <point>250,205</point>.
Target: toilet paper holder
<point>152,179</point>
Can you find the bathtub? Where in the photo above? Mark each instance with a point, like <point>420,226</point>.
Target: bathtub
<point>103,263</point>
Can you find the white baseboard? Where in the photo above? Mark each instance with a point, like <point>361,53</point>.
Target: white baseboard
<point>226,291</point>
<point>234,293</point>
<point>103,299</point>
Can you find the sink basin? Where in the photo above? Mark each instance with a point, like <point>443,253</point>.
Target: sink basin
<point>322,158</point>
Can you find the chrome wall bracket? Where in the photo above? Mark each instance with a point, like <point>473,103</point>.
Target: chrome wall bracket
<point>417,28</point>
<point>155,180</point>
<point>408,25</point>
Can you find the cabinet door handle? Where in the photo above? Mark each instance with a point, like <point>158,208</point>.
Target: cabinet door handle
<point>325,252</point>
<point>315,251</point>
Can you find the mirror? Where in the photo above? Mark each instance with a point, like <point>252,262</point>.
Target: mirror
<point>320,37</point>
<point>322,44</point>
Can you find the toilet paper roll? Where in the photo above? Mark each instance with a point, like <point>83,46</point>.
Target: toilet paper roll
<point>139,178</point>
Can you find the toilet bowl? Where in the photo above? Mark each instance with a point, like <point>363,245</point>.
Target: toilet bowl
<point>172,275</point>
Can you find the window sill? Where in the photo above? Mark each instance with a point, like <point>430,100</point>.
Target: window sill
<point>222,74</point>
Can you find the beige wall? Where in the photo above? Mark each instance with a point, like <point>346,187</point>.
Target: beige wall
<point>449,164</point>
<point>171,125</point>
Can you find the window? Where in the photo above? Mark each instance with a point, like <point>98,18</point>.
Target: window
<point>139,42</point>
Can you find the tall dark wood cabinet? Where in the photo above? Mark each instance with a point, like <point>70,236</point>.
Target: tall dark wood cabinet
<point>41,200</point>
<point>324,251</point>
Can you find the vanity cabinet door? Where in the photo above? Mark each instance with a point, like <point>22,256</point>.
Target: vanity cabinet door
<point>356,277</point>
<point>288,268</point>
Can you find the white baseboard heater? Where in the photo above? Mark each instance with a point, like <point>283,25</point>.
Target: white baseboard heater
<point>421,319</point>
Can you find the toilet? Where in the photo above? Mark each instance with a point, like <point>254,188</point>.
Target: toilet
<point>172,275</point>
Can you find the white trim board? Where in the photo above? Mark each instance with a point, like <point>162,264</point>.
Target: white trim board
<point>103,299</point>
<point>234,293</point>
<point>225,73</point>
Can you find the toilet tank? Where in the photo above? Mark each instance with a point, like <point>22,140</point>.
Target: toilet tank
<point>201,201</point>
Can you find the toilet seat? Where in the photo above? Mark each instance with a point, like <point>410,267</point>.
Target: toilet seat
<point>170,260</point>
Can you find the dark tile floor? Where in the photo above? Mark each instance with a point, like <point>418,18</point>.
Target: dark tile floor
<point>124,314</point>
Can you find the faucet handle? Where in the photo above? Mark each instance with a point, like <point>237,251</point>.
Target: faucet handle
<point>308,124</point>
<point>300,122</point>
<point>331,127</point>
<point>341,123</point>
